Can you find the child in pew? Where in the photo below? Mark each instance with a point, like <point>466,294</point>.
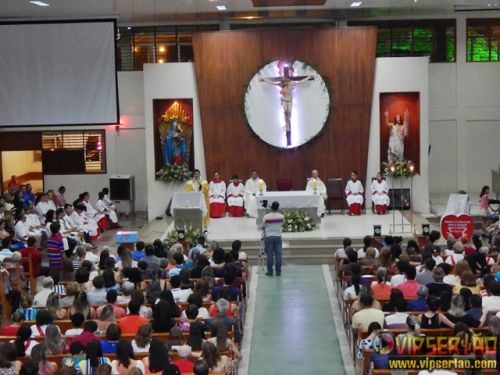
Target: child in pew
<point>11,329</point>
<point>77,320</point>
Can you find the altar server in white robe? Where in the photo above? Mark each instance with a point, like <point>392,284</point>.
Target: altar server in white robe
<point>253,187</point>
<point>102,208</point>
<point>316,186</point>
<point>92,213</point>
<point>107,200</point>
<point>71,225</point>
<point>235,192</point>
<point>354,192</point>
<point>43,206</point>
<point>217,196</point>
<point>22,229</point>
<point>83,223</point>
<point>380,195</point>
<point>32,218</point>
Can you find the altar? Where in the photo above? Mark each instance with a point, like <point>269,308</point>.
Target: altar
<point>300,200</point>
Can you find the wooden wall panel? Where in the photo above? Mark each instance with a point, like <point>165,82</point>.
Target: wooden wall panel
<point>225,63</point>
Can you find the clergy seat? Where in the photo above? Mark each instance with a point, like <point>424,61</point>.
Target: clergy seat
<point>283,184</point>
<point>335,193</point>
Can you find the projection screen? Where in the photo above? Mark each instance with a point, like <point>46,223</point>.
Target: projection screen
<point>58,73</point>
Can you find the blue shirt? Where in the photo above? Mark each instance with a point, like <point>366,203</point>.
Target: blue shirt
<point>28,197</point>
<point>137,255</point>
<point>108,347</point>
<point>418,305</point>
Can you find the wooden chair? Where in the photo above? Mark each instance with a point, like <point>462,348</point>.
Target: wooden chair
<point>335,193</point>
<point>283,184</point>
<point>28,273</point>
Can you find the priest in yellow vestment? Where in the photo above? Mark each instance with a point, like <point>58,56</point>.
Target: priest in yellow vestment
<point>198,184</point>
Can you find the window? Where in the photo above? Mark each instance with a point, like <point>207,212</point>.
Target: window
<point>74,152</point>
<point>434,38</point>
<point>141,45</point>
<point>483,39</point>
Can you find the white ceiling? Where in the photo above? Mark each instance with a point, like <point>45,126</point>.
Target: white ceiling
<point>144,11</point>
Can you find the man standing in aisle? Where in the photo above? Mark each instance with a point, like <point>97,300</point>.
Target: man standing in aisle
<point>273,226</point>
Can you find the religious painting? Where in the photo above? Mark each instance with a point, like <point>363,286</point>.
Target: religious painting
<point>173,132</point>
<point>400,127</point>
<point>287,103</point>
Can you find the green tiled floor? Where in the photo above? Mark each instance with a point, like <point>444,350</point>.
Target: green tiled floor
<point>293,329</point>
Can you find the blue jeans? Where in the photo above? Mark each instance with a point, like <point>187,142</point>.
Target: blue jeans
<point>273,252</point>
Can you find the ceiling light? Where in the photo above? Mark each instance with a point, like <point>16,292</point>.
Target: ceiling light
<point>221,8</point>
<point>129,28</point>
<point>356,3</point>
<point>39,3</point>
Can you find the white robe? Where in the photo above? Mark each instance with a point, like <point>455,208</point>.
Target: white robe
<point>380,193</point>
<point>252,189</point>
<point>85,224</point>
<point>103,209</point>
<point>354,192</point>
<point>109,203</point>
<point>321,190</point>
<point>92,212</point>
<point>217,192</point>
<point>42,208</point>
<point>21,230</point>
<point>33,221</point>
<point>235,195</point>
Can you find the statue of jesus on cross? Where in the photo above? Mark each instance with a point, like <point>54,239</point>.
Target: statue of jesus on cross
<point>287,82</point>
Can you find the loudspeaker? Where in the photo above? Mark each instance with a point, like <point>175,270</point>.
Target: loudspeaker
<point>426,229</point>
<point>377,230</point>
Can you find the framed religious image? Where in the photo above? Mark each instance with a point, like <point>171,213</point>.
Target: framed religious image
<point>400,127</point>
<point>173,132</point>
<point>287,103</point>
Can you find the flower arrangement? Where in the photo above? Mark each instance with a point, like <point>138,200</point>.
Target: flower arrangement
<point>298,222</point>
<point>191,236</point>
<point>174,173</point>
<point>399,168</point>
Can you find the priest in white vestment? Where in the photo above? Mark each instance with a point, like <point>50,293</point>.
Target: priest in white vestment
<point>354,192</point>
<point>102,208</point>
<point>316,186</point>
<point>217,197</point>
<point>235,192</point>
<point>199,185</point>
<point>253,187</point>
<point>380,195</point>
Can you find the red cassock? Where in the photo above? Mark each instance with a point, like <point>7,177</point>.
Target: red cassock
<point>235,192</point>
<point>217,198</point>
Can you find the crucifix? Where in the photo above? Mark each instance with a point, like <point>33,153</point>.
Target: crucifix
<point>287,82</point>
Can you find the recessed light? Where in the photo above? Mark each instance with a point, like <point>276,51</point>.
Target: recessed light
<point>39,3</point>
<point>221,8</point>
<point>356,3</point>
